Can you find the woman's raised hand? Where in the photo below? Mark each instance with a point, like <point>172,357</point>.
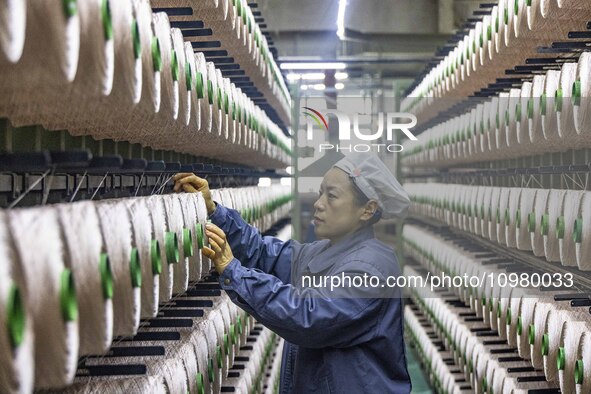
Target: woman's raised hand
<point>191,183</point>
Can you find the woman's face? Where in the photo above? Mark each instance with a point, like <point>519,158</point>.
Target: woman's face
<point>336,213</point>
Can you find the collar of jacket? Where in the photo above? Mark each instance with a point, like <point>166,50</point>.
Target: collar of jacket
<point>324,259</point>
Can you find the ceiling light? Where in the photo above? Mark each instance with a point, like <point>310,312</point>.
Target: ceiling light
<point>313,66</point>
<point>319,86</point>
<point>339,86</point>
<point>341,76</point>
<point>304,87</point>
<point>341,19</point>
<point>293,77</point>
<point>313,76</point>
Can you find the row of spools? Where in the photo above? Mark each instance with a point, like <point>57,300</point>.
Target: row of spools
<point>104,266</point>
<point>508,36</point>
<point>549,114</point>
<point>113,69</point>
<point>203,359</point>
<point>234,24</point>
<point>514,332</point>
<point>552,223</point>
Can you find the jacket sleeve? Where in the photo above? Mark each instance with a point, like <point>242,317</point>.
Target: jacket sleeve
<point>305,317</point>
<point>267,254</point>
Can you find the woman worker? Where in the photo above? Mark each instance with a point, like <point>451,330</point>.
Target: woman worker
<point>345,340</point>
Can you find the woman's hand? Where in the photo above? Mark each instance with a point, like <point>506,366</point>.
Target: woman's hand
<point>191,183</point>
<point>220,252</point>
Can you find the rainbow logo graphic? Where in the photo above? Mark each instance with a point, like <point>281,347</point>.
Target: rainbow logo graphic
<point>317,117</point>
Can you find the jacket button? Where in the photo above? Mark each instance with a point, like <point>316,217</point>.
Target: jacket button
<point>227,282</point>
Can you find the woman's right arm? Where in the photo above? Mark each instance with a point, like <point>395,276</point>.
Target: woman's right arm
<point>268,254</point>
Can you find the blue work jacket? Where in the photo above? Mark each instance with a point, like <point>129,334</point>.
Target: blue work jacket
<point>334,344</point>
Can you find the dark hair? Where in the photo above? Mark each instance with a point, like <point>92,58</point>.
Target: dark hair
<point>361,199</point>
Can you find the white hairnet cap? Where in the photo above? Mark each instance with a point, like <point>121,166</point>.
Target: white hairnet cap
<point>377,182</point>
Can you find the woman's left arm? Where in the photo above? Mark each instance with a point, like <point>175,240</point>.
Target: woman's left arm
<point>305,317</point>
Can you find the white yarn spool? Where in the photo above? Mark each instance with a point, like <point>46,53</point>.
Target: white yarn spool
<point>16,325</point>
<point>500,215</point>
<point>13,15</point>
<point>214,351</point>
<point>582,233</point>
<point>175,226</point>
<point>83,254</point>
<point>168,246</point>
<point>186,353</point>
<point>537,331</point>
<point>570,337</point>
<point>525,206</point>
<point>116,230</point>
<point>227,341</point>
<point>193,100</point>
<point>565,226</point>
<point>191,234</point>
<point>216,317</point>
<point>551,342</point>
<point>534,112</point>
<point>581,92</point>
<point>483,209</point>
<point>201,353</point>
<point>202,220</point>
<point>48,55</point>
<point>96,67</point>
<point>148,246</point>
<point>141,384</point>
<point>512,115</point>
<point>534,223</point>
<point>213,93</point>
<point>524,320</point>
<point>184,84</point>
<point>151,60</point>
<point>583,364</point>
<point>502,308</point>
<point>510,217</point>
<point>548,224</point>
<point>52,303</point>
<point>548,108</point>
<point>202,92</point>
<point>512,315</point>
<point>564,106</point>
<point>127,80</point>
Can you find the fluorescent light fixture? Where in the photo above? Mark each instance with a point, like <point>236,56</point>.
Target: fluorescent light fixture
<point>313,76</point>
<point>340,76</point>
<point>304,87</point>
<point>313,66</point>
<point>319,86</point>
<point>264,182</point>
<point>339,86</point>
<point>293,77</point>
<point>341,19</point>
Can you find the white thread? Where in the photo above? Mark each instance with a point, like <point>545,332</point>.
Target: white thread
<point>584,354</point>
<point>141,384</point>
<point>582,112</point>
<point>570,337</point>
<point>553,210</point>
<point>564,117</point>
<point>540,314</point>
<point>201,352</point>
<point>116,230</point>
<point>174,224</point>
<point>143,235</point>
<point>193,100</point>
<point>553,330</point>
<point>526,315</point>
<point>549,120</point>
<point>583,248</point>
<point>13,15</point>
<point>16,374</point>
<point>83,243</point>
<point>537,240</point>
<point>491,214</point>
<point>525,205</point>
<point>500,215</point>
<point>202,218</point>
<point>536,135</point>
<point>156,207</point>
<point>216,113</point>
<point>56,344</point>
<point>510,216</point>
<point>570,211</point>
<point>188,205</point>
<point>208,328</point>
<point>205,111</point>
<point>96,69</point>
